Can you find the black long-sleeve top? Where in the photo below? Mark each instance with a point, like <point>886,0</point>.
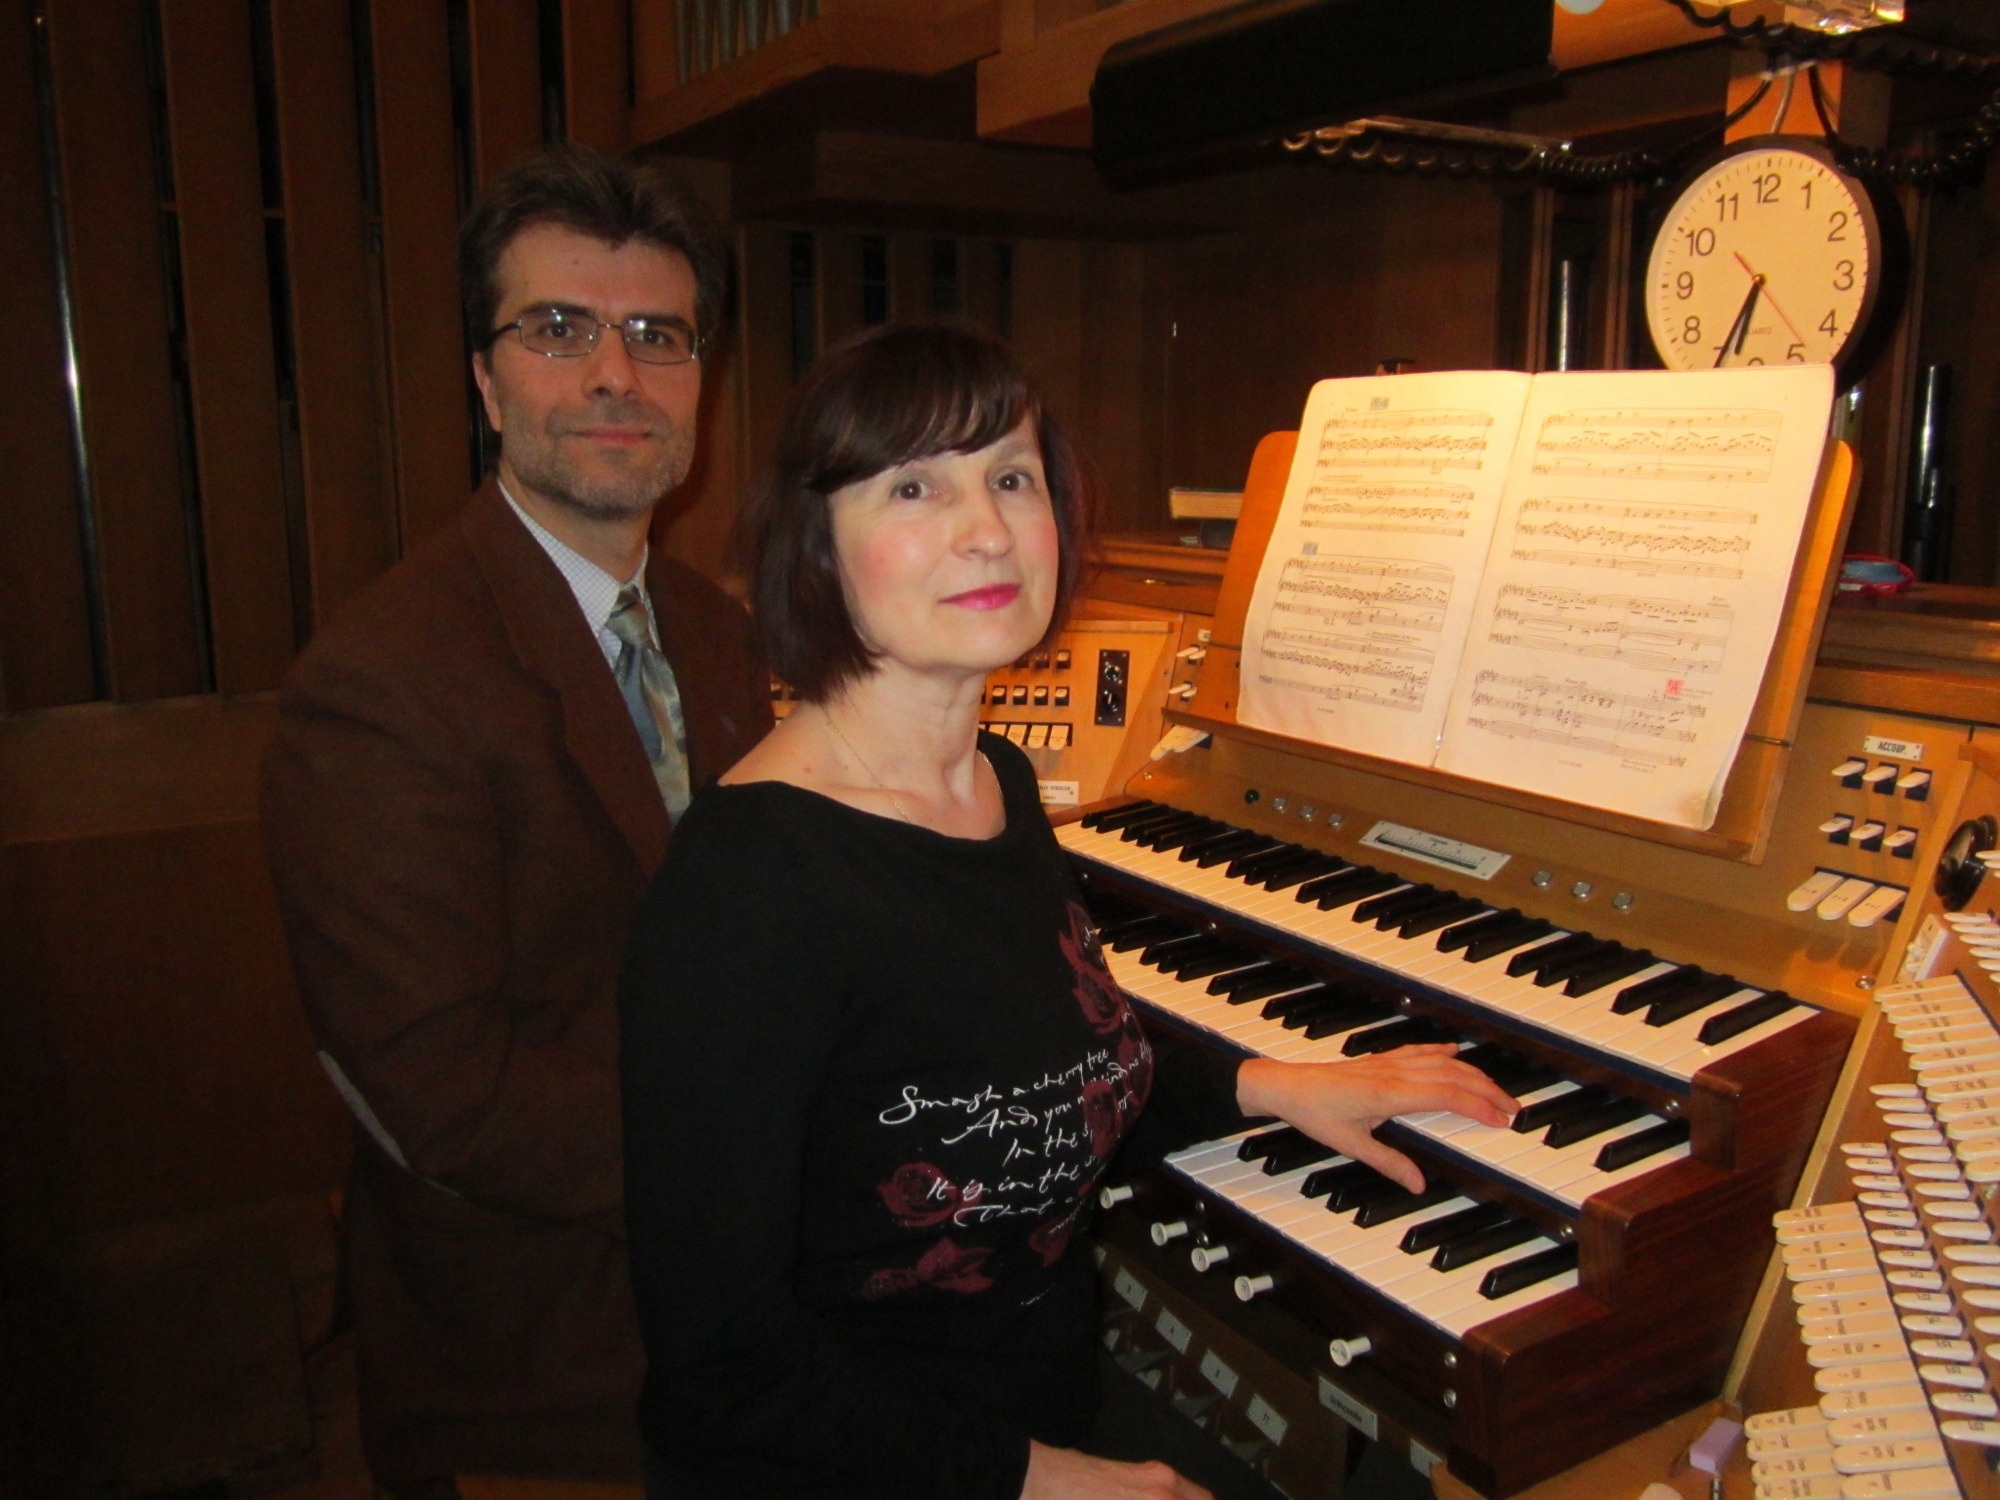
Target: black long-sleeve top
<point>872,1075</point>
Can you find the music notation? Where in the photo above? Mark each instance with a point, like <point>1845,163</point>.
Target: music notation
<point>1689,445</point>
<point>1432,509</point>
<point>1683,637</point>
<point>1641,730</point>
<point>1433,440</point>
<point>1690,540</point>
<point>1365,591</point>
<point>1349,669</point>
<point>1341,629</point>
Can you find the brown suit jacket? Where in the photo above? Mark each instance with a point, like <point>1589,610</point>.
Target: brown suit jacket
<point>461,822</point>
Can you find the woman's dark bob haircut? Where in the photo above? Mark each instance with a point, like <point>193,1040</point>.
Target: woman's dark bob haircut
<point>885,398</point>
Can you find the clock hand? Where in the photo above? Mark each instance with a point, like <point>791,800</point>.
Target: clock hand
<point>1768,297</point>
<point>1732,341</point>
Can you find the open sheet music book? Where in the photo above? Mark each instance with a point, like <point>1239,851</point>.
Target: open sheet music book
<point>1564,583</point>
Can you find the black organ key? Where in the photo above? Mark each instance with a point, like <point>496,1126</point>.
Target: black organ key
<point>1169,841</point>
<point>1166,950</point>
<point>1123,937</point>
<point>1365,883</point>
<point>1259,983</point>
<point>1718,987</point>
<point>1313,869</point>
<point>1434,1232</point>
<point>1227,961</point>
<point>1414,895</point>
<point>1222,851</point>
<point>1117,817</point>
<point>1431,918</point>
<point>1649,992</point>
<point>1516,1074</point>
<point>1257,1147</point>
<point>1310,890</point>
<point>1282,1006</point>
<point>1469,1249</point>
<point>1289,1157</point>
<point>1502,939</point>
<point>1319,1184</point>
<point>1407,912</point>
<point>1529,1270</point>
<point>1641,1144</point>
<point>1457,936</point>
<point>1608,970</point>
<point>1741,1018</point>
<point>1359,1011</point>
<point>1549,953</point>
<point>1558,971</point>
<point>1592,1122</point>
<point>1410,1032</point>
<point>1401,1204</point>
<point>1275,854</point>
<point>1225,836</point>
<point>1548,1111</point>
<point>1132,829</point>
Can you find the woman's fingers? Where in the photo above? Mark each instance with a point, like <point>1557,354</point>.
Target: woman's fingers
<point>1387,1160</point>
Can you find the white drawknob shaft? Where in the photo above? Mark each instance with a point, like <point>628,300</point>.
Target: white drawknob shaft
<point>1248,1287</point>
<point>1208,1257</point>
<point>1345,1352</point>
<point>1165,1233</point>
<point>1111,1197</point>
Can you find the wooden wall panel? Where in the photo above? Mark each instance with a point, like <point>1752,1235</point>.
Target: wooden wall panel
<point>764,333</point>
<point>837,256</point>
<point>212,105</point>
<point>1118,412</point>
<point>506,83</point>
<point>428,374</point>
<point>189,1079</point>
<point>909,278</point>
<point>45,650</point>
<point>131,430</point>
<point>596,59</point>
<point>1048,323</point>
<point>979,283</point>
<point>655,51</point>
<point>350,512</point>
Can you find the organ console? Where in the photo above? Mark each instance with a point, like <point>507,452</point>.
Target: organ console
<point>1674,1011</point>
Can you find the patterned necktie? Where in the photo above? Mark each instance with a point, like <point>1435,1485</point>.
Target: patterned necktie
<point>652,698</point>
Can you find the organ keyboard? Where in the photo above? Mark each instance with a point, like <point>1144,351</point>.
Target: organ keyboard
<point>1672,1008</point>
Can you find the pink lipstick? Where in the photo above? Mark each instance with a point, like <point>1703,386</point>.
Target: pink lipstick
<point>993,596</point>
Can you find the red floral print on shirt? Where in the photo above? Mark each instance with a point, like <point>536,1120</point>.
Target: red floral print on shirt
<point>1104,1004</point>
<point>948,1267</point>
<point>920,1195</point>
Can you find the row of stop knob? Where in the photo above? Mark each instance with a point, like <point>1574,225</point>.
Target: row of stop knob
<point>1206,1257</point>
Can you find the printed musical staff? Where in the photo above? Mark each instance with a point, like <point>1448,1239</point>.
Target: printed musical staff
<point>1433,440</point>
<point>1423,509</point>
<point>1688,540</point>
<point>1679,636</point>
<point>1641,730</point>
<point>1692,446</point>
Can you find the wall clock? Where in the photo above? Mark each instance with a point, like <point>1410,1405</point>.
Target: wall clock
<point>1770,254</point>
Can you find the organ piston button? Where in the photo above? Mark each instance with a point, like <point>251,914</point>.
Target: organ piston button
<point>1344,1352</point>
<point>1902,843</point>
<point>1916,785</point>
<point>1849,771</point>
<point>1878,779</point>
<point>1207,1257</point>
<point>1836,827</point>
<point>1166,1232</point>
<point>1112,1196</point>
<point>1815,890</point>
<point>1842,899</point>
<point>1248,1287</point>
<point>1869,835</point>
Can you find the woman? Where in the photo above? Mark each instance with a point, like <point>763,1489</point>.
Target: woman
<point>874,1066</point>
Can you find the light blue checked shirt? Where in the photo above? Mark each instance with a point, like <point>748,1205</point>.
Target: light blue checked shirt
<point>596,590</point>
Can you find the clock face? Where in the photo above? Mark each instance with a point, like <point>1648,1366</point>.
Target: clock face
<point>1770,256</point>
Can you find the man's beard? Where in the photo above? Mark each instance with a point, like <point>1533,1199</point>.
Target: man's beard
<point>607,492</point>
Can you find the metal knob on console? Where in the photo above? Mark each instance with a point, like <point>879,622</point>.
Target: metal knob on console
<point>1165,1233</point>
<point>1111,1197</point>
<point>1345,1352</point>
<point>1207,1257</point>
<point>1248,1287</point>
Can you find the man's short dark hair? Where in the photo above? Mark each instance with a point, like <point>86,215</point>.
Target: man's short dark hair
<point>886,397</point>
<point>612,199</point>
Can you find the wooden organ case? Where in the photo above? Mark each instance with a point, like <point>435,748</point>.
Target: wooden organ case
<point>1639,1224</point>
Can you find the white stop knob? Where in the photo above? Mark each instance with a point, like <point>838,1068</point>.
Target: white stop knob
<point>1252,1286</point>
<point>1345,1352</point>
<point>1164,1233</point>
<point>1111,1197</point>
<point>1208,1257</point>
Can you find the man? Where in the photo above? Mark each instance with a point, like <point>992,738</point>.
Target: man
<point>475,774</point>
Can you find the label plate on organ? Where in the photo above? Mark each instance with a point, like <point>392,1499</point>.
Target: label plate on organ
<point>1435,849</point>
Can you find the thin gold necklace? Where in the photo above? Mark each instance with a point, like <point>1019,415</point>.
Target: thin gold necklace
<point>881,785</point>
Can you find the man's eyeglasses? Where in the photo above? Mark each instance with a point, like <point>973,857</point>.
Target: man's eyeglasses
<point>566,335</point>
